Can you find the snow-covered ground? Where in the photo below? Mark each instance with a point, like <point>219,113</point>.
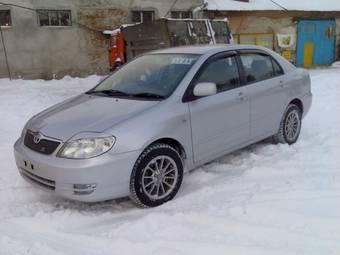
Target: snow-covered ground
<point>264,199</point>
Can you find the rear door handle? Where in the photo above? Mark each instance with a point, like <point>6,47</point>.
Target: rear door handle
<point>281,83</point>
<point>241,96</point>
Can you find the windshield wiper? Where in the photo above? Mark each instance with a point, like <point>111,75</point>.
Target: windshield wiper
<point>112,92</point>
<point>148,95</point>
<point>109,92</point>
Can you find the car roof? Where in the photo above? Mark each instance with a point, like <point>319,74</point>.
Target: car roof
<point>206,49</point>
<point>212,49</point>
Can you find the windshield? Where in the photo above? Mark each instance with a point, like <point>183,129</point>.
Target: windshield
<point>149,76</point>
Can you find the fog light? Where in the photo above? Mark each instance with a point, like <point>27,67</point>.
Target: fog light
<point>84,189</point>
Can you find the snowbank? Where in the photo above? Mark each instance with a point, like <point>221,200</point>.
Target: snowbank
<point>336,64</point>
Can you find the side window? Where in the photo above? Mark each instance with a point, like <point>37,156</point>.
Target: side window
<point>223,72</point>
<point>54,18</point>
<point>277,68</point>
<point>142,16</point>
<point>181,15</point>
<point>257,67</point>
<point>5,18</point>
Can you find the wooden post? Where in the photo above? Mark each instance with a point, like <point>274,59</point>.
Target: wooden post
<point>5,51</point>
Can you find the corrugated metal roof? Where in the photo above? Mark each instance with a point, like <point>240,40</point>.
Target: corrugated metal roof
<point>263,5</point>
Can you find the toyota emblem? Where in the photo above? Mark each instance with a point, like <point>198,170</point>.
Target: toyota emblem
<point>37,138</point>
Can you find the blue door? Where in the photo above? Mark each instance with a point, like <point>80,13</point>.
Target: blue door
<point>315,42</point>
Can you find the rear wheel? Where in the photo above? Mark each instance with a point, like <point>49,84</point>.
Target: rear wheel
<point>157,176</point>
<point>290,126</point>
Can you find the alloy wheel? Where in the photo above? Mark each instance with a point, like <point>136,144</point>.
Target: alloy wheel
<point>159,177</point>
<point>292,125</point>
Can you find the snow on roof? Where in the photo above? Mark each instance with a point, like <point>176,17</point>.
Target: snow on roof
<point>110,32</point>
<point>115,31</point>
<point>260,5</point>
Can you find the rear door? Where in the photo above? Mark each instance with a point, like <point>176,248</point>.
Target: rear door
<point>219,122</point>
<point>267,91</point>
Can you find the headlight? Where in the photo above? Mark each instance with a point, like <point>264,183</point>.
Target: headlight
<point>23,132</point>
<point>86,147</point>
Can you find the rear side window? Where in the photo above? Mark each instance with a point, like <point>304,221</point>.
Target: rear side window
<point>223,72</point>
<point>277,68</point>
<point>257,67</point>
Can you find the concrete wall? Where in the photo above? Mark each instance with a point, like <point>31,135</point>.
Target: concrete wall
<point>275,22</point>
<point>79,50</point>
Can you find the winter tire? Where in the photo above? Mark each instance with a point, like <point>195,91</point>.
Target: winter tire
<point>156,176</point>
<point>290,126</point>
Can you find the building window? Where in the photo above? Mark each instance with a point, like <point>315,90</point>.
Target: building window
<point>54,18</point>
<point>5,18</point>
<point>181,15</point>
<point>142,16</point>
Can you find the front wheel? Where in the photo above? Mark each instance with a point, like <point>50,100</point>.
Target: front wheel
<point>290,126</point>
<point>156,176</point>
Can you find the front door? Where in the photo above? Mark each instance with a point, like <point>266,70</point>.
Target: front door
<point>315,42</point>
<point>219,122</point>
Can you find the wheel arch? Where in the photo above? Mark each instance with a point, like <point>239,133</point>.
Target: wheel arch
<point>173,143</point>
<point>298,103</point>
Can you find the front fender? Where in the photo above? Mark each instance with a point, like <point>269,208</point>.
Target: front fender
<point>164,121</point>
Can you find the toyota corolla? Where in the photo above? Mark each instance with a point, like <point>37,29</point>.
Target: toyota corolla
<point>162,114</point>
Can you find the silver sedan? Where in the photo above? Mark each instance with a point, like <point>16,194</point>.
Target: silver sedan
<point>162,114</point>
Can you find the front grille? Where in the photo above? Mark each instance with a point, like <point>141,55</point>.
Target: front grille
<point>43,182</point>
<point>43,146</point>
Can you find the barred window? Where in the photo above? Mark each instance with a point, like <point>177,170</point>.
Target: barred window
<point>142,16</point>
<point>181,15</point>
<point>54,18</point>
<point>5,18</point>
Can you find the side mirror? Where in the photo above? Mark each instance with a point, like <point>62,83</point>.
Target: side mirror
<point>203,89</point>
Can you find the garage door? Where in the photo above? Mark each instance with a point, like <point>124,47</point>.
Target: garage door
<point>315,44</point>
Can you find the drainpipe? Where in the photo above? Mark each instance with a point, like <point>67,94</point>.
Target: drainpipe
<point>197,12</point>
<point>5,51</point>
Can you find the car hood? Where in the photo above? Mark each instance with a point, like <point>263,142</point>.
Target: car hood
<point>85,113</point>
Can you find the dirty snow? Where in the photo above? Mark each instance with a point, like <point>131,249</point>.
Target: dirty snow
<point>291,5</point>
<point>264,199</point>
<point>336,64</point>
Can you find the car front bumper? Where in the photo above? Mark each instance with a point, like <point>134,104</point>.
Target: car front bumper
<point>89,180</point>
